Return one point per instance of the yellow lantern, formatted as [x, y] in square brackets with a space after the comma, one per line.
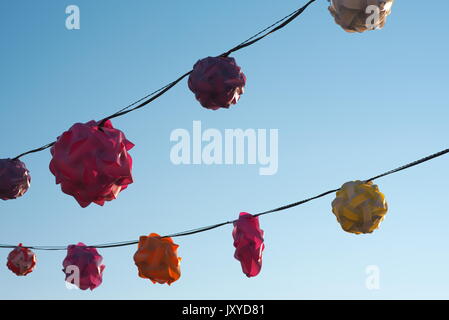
[360, 15]
[359, 207]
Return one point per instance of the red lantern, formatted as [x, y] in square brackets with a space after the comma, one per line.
[21, 261]
[82, 266]
[15, 179]
[217, 82]
[92, 163]
[248, 243]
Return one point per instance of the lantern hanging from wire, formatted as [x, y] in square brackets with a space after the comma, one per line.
[83, 266]
[360, 15]
[248, 243]
[157, 259]
[21, 261]
[15, 179]
[217, 82]
[359, 207]
[92, 162]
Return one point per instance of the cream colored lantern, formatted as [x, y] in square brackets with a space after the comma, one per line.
[360, 15]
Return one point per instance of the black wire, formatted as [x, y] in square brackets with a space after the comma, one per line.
[102, 123]
[141, 99]
[50, 248]
[214, 226]
[247, 43]
[198, 230]
[267, 28]
[412, 164]
[35, 150]
[288, 206]
[159, 92]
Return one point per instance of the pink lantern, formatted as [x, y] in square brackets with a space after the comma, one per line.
[21, 261]
[248, 243]
[82, 266]
[217, 82]
[92, 163]
[15, 179]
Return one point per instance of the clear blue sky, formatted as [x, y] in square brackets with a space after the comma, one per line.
[347, 106]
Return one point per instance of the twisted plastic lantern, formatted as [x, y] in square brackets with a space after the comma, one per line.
[92, 164]
[15, 179]
[157, 259]
[352, 15]
[82, 266]
[359, 207]
[21, 261]
[248, 243]
[217, 82]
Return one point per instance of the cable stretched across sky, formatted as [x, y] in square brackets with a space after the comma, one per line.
[281, 23]
[215, 226]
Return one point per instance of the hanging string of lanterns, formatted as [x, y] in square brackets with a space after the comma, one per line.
[359, 207]
[156, 257]
[91, 162]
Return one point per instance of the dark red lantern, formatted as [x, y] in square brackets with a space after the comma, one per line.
[21, 261]
[217, 82]
[15, 179]
[92, 163]
[82, 266]
[248, 243]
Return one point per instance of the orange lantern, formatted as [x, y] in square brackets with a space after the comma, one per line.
[157, 259]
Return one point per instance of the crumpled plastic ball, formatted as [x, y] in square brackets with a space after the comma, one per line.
[21, 261]
[352, 17]
[359, 207]
[248, 243]
[92, 164]
[157, 259]
[217, 82]
[15, 179]
[88, 262]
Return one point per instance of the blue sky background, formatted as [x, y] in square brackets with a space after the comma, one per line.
[347, 106]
